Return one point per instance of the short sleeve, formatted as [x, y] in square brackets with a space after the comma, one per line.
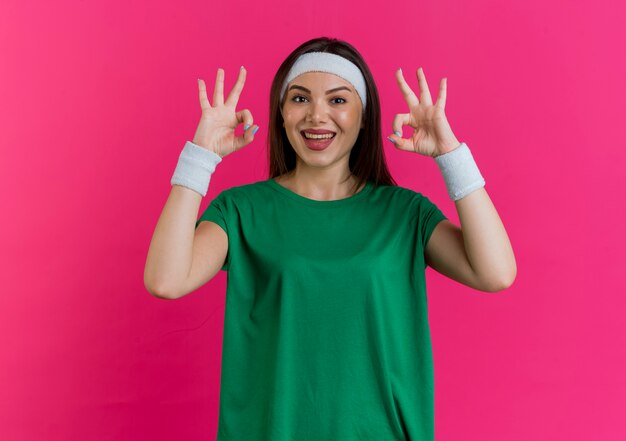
[429, 216]
[217, 212]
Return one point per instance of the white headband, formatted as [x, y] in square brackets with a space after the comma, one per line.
[330, 63]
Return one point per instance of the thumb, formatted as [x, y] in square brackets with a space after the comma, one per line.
[401, 143]
[400, 120]
[247, 137]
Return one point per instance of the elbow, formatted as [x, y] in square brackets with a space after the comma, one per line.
[502, 283]
[159, 292]
[156, 286]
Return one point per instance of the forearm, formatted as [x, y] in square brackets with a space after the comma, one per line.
[486, 243]
[171, 249]
[485, 239]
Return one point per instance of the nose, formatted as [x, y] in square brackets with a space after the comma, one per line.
[316, 111]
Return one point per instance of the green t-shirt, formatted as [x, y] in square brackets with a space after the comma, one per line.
[326, 334]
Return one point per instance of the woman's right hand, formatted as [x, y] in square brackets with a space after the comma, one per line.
[216, 130]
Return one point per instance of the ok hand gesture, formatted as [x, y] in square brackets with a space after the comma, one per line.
[432, 135]
[216, 129]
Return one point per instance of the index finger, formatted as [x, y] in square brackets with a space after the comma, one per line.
[409, 96]
[233, 96]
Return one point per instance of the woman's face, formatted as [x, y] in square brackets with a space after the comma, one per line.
[339, 111]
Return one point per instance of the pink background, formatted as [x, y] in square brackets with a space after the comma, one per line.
[98, 100]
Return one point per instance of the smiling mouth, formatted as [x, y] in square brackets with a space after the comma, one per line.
[318, 144]
[316, 137]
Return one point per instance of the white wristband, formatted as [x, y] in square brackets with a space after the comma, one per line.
[195, 167]
[460, 172]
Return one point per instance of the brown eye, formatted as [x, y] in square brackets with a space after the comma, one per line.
[295, 99]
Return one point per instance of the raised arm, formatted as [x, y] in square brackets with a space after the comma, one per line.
[477, 254]
[180, 257]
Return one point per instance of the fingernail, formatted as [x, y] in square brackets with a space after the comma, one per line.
[254, 131]
[389, 138]
[241, 67]
[246, 127]
[398, 133]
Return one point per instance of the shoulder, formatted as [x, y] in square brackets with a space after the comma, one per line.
[243, 192]
[401, 194]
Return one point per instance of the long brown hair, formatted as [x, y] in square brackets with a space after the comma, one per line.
[367, 158]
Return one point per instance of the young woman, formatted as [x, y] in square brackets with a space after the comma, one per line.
[326, 332]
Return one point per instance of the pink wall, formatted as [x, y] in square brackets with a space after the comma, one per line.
[98, 99]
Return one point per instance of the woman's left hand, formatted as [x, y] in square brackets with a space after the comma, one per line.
[432, 135]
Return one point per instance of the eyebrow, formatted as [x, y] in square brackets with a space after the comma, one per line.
[295, 86]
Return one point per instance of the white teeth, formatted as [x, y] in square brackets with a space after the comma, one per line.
[325, 136]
